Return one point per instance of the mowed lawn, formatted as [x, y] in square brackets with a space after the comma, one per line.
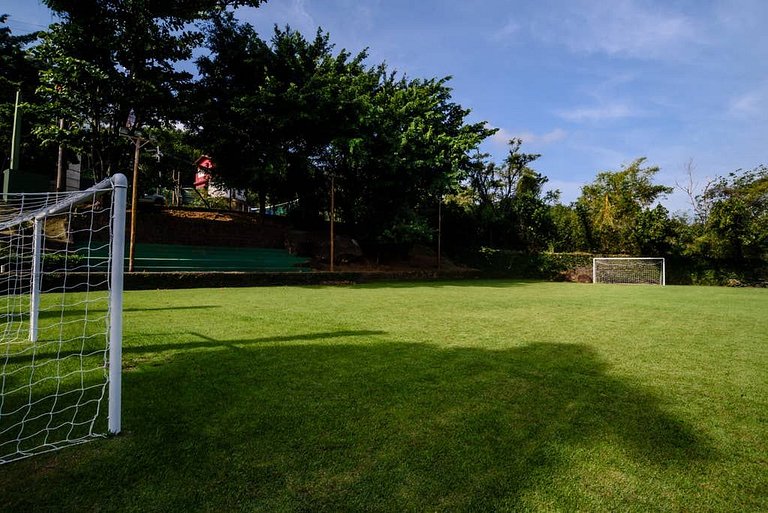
[447, 396]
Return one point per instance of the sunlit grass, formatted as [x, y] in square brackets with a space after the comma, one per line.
[465, 396]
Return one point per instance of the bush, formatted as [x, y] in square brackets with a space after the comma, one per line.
[518, 264]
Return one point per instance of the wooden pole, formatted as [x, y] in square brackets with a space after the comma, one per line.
[134, 201]
[439, 232]
[333, 208]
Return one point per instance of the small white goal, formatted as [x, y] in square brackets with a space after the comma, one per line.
[630, 270]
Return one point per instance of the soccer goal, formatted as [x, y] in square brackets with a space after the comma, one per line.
[645, 270]
[61, 281]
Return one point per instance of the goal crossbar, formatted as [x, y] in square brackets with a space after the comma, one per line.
[62, 205]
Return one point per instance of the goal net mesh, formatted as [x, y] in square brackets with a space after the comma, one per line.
[54, 320]
[649, 271]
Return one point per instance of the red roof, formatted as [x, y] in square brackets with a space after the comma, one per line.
[204, 162]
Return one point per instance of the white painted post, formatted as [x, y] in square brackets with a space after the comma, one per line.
[594, 270]
[37, 261]
[663, 272]
[117, 250]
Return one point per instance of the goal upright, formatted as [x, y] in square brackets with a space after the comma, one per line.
[630, 270]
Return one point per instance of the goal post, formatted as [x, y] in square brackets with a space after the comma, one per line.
[61, 287]
[630, 270]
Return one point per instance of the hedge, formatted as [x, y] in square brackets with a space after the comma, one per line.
[681, 270]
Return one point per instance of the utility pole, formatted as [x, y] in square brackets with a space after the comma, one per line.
[139, 143]
[439, 231]
[15, 147]
[333, 212]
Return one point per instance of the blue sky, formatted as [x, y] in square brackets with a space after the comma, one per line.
[589, 84]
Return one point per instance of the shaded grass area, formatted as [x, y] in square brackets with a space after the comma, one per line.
[465, 396]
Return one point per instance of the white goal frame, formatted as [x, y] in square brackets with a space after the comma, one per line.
[28, 215]
[620, 264]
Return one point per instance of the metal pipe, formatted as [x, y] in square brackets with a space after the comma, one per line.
[116, 303]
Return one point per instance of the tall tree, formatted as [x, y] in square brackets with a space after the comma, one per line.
[568, 229]
[285, 117]
[236, 137]
[19, 72]
[412, 146]
[509, 207]
[736, 225]
[109, 61]
[269, 111]
[613, 205]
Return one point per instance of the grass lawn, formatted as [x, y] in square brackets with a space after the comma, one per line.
[448, 396]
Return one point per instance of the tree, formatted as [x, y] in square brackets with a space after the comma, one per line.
[613, 205]
[111, 60]
[168, 156]
[509, 206]
[234, 135]
[568, 229]
[736, 227]
[654, 232]
[272, 113]
[19, 72]
[695, 191]
[411, 146]
[285, 117]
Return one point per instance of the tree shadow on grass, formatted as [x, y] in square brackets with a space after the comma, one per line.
[78, 311]
[202, 342]
[377, 427]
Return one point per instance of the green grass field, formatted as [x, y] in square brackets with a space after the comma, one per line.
[448, 396]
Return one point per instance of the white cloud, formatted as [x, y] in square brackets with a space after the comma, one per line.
[569, 190]
[506, 32]
[750, 104]
[600, 113]
[292, 12]
[503, 136]
[558, 134]
[745, 104]
[604, 158]
[625, 28]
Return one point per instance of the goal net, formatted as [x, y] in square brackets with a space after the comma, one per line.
[61, 278]
[646, 270]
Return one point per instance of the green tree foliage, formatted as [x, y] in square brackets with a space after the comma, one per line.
[270, 113]
[233, 136]
[617, 215]
[167, 155]
[568, 229]
[285, 117]
[410, 148]
[735, 226]
[111, 60]
[507, 201]
[19, 72]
